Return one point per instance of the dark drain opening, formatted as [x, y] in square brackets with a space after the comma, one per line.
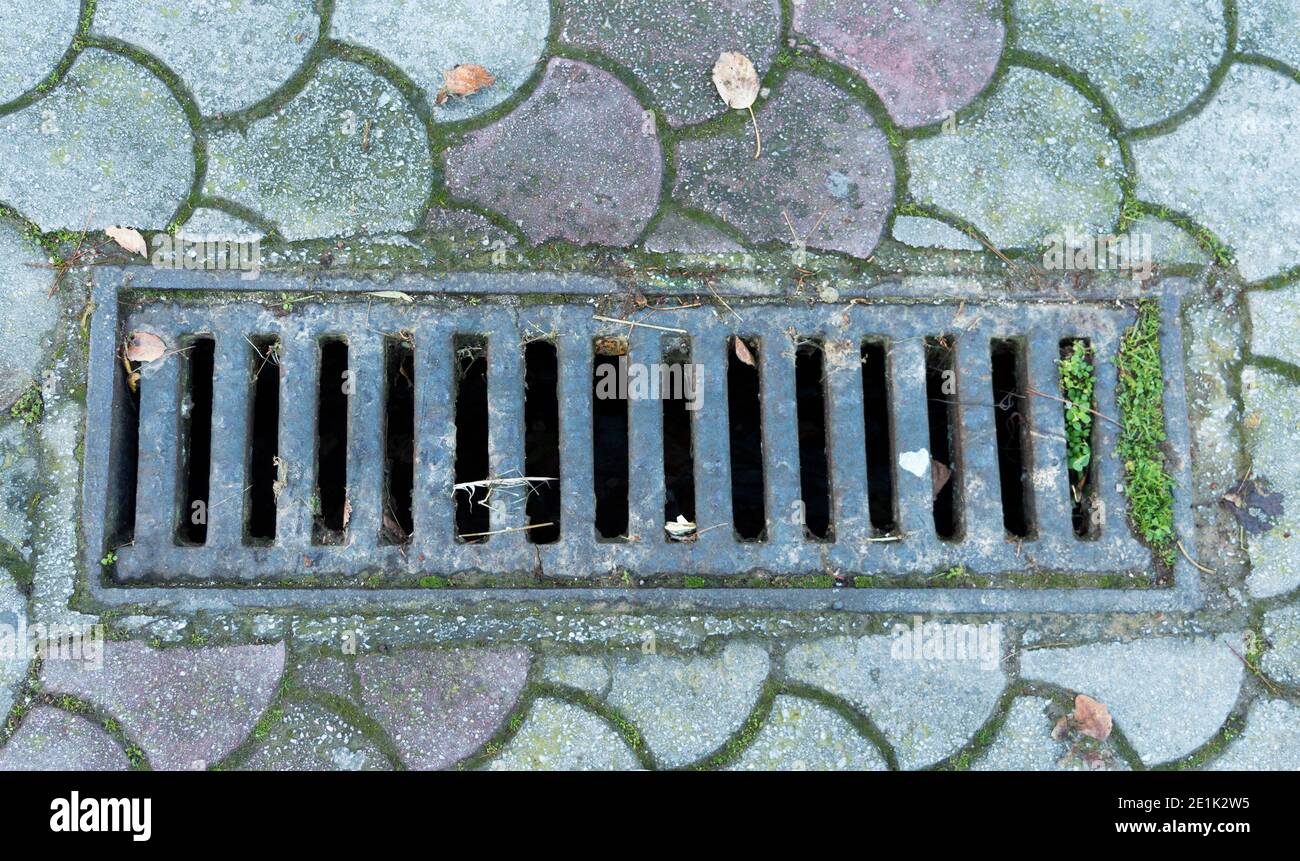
[472, 513]
[399, 438]
[542, 440]
[880, 436]
[264, 442]
[744, 411]
[609, 441]
[196, 440]
[814, 464]
[1078, 375]
[126, 463]
[679, 457]
[1012, 419]
[941, 404]
[332, 442]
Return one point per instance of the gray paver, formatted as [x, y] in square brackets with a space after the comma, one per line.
[1275, 316]
[346, 155]
[676, 233]
[33, 36]
[109, 145]
[1066, 166]
[687, 707]
[1168, 695]
[229, 55]
[439, 707]
[310, 738]
[1271, 428]
[186, 707]
[1282, 633]
[27, 313]
[558, 736]
[801, 735]
[51, 739]
[590, 673]
[13, 661]
[1271, 741]
[1025, 743]
[927, 709]
[18, 476]
[932, 233]
[1270, 28]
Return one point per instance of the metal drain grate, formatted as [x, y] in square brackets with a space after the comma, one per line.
[160, 558]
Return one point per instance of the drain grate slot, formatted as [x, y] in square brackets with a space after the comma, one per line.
[196, 439]
[879, 430]
[542, 441]
[814, 465]
[333, 508]
[1011, 419]
[1076, 353]
[609, 457]
[399, 438]
[942, 405]
[744, 413]
[471, 418]
[264, 448]
[680, 402]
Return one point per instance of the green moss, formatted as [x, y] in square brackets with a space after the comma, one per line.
[434, 582]
[1148, 485]
[29, 408]
[695, 583]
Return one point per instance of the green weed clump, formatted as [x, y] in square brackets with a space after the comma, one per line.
[1077, 380]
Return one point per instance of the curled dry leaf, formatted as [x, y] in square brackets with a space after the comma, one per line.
[465, 79]
[391, 294]
[680, 529]
[129, 238]
[144, 347]
[1092, 717]
[743, 353]
[737, 82]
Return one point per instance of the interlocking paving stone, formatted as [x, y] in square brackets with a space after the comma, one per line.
[33, 36]
[1271, 28]
[675, 233]
[825, 166]
[13, 665]
[1036, 160]
[311, 738]
[589, 673]
[55, 538]
[347, 155]
[439, 707]
[1282, 632]
[331, 675]
[51, 739]
[1274, 316]
[1271, 741]
[671, 46]
[18, 477]
[801, 735]
[1271, 428]
[426, 38]
[1025, 744]
[927, 709]
[229, 55]
[1148, 59]
[572, 162]
[1213, 359]
[1224, 168]
[187, 707]
[1167, 695]
[109, 145]
[932, 233]
[687, 707]
[208, 223]
[922, 58]
[1169, 242]
[558, 736]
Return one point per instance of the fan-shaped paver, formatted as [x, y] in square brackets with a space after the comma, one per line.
[1282, 633]
[1271, 28]
[1225, 169]
[1036, 160]
[932, 233]
[439, 707]
[19, 477]
[1168, 695]
[573, 162]
[13, 664]
[558, 736]
[51, 739]
[33, 36]
[1148, 59]
[1271, 426]
[686, 707]
[229, 55]
[825, 176]
[671, 46]
[186, 707]
[1271, 741]
[801, 735]
[676, 233]
[924, 59]
[1025, 743]
[589, 673]
[927, 709]
[426, 38]
[311, 738]
[109, 145]
[27, 313]
[1274, 316]
[347, 155]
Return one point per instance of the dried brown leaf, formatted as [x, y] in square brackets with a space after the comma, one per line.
[743, 353]
[144, 347]
[1092, 717]
[466, 79]
[129, 238]
[939, 475]
[736, 79]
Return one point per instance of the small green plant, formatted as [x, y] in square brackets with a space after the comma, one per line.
[434, 582]
[1148, 485]
[1077, 381]
[695, 583]
[109, 559]
[953, 574]
[29, 408]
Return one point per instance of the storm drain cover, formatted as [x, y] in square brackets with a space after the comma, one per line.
[497, 437]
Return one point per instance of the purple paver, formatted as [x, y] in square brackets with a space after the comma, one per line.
[921, 57]
[187, 708]
[825, 175]
[578, 161]
[439, 707]
[51, 739]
